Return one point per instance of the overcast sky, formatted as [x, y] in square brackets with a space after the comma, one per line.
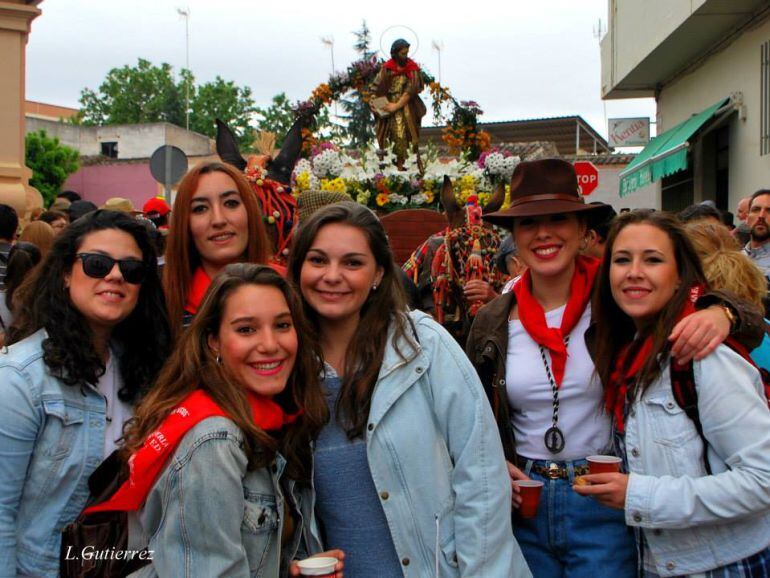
[518, 58]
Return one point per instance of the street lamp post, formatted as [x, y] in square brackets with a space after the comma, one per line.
[186, 15]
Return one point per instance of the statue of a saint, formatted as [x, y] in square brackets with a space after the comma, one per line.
[397, 122]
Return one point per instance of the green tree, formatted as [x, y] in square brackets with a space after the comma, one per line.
[135, 94]
[51, 163]
[358, 115]
[149, 93]
[224, 100]
[276, 118]
[279, 116]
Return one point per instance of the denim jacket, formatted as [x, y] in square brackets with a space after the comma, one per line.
[694, 522]
[51, 440]
[437, 462]
[208, 516]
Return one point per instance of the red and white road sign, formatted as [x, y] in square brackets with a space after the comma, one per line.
[588, 177]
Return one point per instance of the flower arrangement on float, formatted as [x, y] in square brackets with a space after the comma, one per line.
[371, 178]
[461, 135]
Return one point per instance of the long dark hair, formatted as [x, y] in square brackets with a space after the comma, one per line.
[142, 340]
[21, 260]
[193, 366]
[614, 328]
[388, 304]
[182, 258]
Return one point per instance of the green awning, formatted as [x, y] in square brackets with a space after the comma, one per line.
[666, 153]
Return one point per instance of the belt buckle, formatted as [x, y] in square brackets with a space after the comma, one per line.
[554, 471]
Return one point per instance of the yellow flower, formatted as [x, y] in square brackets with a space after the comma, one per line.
[382, 199]
[484, 198]
[428, 196]
[465, 193]
[334, 185]
[466, 182]
[303, 181]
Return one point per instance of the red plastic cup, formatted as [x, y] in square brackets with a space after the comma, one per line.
[529, 490]
[603, 464]
[318, 567]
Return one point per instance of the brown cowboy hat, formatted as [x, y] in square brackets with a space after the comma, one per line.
[543, 187]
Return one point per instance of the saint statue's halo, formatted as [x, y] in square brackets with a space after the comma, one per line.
[393, 33]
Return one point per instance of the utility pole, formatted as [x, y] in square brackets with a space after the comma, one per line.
[438, 46]
[186, 15]
[328, 41]
[599, 31]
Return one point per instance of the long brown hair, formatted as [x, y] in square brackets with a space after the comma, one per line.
[182, 258]
[40, 234]
[367, 347]
[193, 366]
[614, 328]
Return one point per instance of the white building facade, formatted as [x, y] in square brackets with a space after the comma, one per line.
[707, 64]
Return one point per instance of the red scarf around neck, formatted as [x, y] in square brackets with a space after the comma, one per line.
[148, 462]
[532, 315]
[200, 283]
[625, 371]
[393, 67]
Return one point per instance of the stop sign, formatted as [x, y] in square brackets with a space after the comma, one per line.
[588, 177]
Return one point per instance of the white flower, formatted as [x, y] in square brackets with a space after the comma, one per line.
[509, 165]
[327, 164]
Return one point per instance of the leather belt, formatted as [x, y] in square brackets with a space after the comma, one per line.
[552, 471]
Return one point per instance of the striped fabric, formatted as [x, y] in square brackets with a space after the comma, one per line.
[756, 566]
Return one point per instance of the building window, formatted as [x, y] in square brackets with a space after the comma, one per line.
[110, 149]
[764, 122]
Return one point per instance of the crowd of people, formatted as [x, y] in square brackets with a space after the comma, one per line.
[172, 398]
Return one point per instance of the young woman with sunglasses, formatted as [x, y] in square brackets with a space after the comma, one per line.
[409, 472]
[699, 500]
[529, 347]
[216, 221]
[89, 337]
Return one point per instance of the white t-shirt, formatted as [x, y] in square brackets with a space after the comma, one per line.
[118, 412]
[586, 427]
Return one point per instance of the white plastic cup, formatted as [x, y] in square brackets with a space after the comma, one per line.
[320, 566]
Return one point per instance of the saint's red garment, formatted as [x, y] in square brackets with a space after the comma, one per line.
[396, 70]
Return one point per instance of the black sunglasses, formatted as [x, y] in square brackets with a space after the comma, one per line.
[99, 266]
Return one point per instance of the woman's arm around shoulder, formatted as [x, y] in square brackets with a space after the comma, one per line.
[736, 423]
[203, 503]
[482, 514]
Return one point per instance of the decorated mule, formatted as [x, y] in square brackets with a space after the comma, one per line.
[444, 264]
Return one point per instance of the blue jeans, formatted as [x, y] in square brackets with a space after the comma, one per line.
[574, 536]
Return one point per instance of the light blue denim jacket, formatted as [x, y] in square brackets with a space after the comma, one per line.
[692, 521]
[207, 516]
[437, 462]
[51, 440]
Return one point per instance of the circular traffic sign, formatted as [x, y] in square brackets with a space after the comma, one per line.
[168, 164]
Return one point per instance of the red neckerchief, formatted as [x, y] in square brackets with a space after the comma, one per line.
[409, 67]
[200, 283]
[623, 374]
[148, 462]
[532, 315]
